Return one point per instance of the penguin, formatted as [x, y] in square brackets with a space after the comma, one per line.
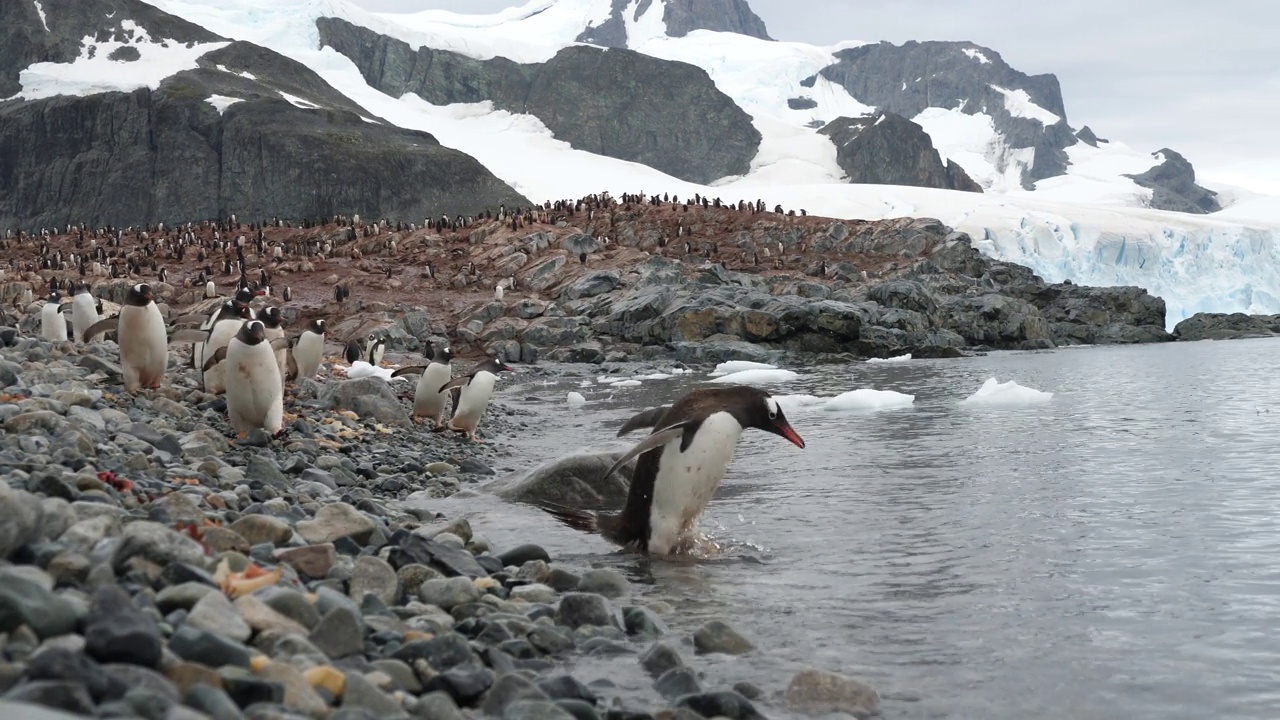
[308, 350]
[226, 324]
[140, 332]
[353, 351]
[242, 298]
[497, 292]
[210, 290]
[428, 399]
[270, 318]
[375, 348]
[84, 313]
[255, 392]
[53, 326]
[477, 390]
[680, 465]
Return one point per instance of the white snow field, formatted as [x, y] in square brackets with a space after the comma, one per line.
[1010, 394]
[1089, 226]
[868, 399]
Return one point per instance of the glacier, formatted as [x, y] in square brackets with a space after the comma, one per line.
[1089, 226]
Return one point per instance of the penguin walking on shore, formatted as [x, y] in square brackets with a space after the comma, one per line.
[231, 316]
[140, 333]
[84, 313]
[255, 392]
[242, 298]
[308, 351]
[429, 396]
[681, 464]
[477, 390]
[271, 320]
[53, 325]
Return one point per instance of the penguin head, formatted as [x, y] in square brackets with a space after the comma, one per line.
[252, 333]
[245, 296]
[317, 326]
[55, 297]
[82, 288]
[495, 365]
[140, 295]
[754, 408]
[270, 317]
[443, 354]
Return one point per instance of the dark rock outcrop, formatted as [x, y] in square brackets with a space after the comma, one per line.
[1173, 186]
[618, 103]
[1227, 326]
[906, 79]
[681, 18]
[888, 149]
[1087, 136]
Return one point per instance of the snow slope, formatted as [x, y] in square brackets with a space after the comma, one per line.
[1088, 226]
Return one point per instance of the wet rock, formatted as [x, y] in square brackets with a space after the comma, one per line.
[578, 609]
[116, 631]
[367, 397]
[437, 706]
[314, 561]
[450, 593]
[360, 693]
[257, 529]
[718, 637]
[215, 613]
[535, 593]
[604, 581]
[374, 576]
[447, 559]
[22, 515]
[522, 554]
[659, 658]
[748, 690]
[66, 695]
[338, 633]
[535, 710]
[677, 682]
[25, 602]
[336, 521]
[201, 646]
[817, 692]
[464, 683]
[574, 481]
[57, 663]
[643, 622]
[723, 703]
[566, 687]
[443, 652]
[156, 543]
[507, 689]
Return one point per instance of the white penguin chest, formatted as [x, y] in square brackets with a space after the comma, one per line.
[433, 378]
[475, 394]
[686, 481]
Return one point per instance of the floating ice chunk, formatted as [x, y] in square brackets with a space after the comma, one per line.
[585, 383]
[733, 366]
[794, 402]
[867, 399]
[997, 394]
[607, 380]
[361, 369]
[900, 358]
[576, 400]
[680, 371]
[627, 383]
[654, 376]
[758, 375]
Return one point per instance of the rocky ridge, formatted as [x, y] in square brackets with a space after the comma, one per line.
[888, 149]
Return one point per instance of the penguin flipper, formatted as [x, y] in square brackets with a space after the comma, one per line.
[582, 520]
[656, 440]
[455, 383]
[290, 366]
[218, 356]
[189, 336]
[409, 370]
[280, 343]
[647, 419]
[100, 327]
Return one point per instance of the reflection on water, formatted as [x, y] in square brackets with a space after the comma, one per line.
[1112, 554]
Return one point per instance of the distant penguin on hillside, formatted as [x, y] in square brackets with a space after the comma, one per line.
[428, 398]
[681, 464]
[477, 390]
[53, 325]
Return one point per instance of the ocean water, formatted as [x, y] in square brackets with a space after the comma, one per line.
[1113, 553]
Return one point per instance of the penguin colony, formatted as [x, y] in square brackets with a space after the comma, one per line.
[247, 355]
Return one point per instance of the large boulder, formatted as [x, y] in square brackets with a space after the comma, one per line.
[1226, 326]
[368, 397]
[575, 481]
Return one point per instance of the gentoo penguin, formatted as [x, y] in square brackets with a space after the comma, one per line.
[140, 332]
[270, 318]
[352, 351]
[84, 313]
[428, 399]
[242, 298]
[375, 348]
[477, 389]
[225, 326]
[309, 350]
[497, 292]
[53, 325]
[255, 392]
[210, 290]
[681, 463]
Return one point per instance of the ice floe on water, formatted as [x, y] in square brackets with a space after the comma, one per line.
[576, 399]
[900, 358]
[627, 383]
[654, 376]
[735, 366]
[796, 402]
[758, 375]
[994, 393]
[867, 399]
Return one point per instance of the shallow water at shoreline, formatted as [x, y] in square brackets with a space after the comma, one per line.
[1109, 554]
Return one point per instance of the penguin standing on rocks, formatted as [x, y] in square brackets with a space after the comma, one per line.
[477, 390]
[230, 317]
[255, 392]
[308, 350]
[428, 398]
[84, 313]
[680, 466]
[140, 332]
[375, 348]
[270, 318]
[53, 326]
[242, 298]
[352, 351]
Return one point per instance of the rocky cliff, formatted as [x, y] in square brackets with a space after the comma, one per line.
[906, 79]
[171, 154]
[681, 17]
[888, 149]
[1173, 185]
[1227, 326]
[622, 104]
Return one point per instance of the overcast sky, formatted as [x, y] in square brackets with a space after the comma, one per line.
[1202, 78]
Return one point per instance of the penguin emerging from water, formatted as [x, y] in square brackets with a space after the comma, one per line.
[308, 350]
[140, 332]
[255, 392]
[85, 311]
[429, 397]
[53, 325]
[477, 390]
[681, 463]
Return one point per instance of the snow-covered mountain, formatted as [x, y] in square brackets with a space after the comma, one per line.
[694, 97]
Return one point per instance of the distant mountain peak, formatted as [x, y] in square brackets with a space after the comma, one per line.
[679, 18]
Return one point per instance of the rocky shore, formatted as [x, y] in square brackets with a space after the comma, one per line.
[1227, 326]
[151, 568]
